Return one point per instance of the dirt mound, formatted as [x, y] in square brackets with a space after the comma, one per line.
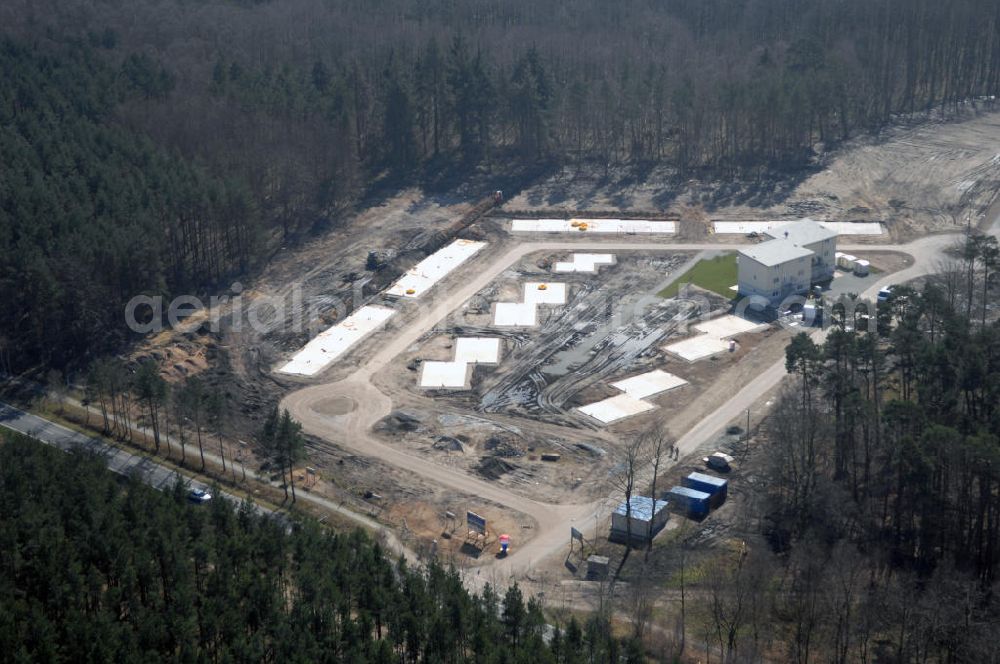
[179, 355]
[448, 444]
[493, 468]
[399, 420]
[592, 450]
[503, 447]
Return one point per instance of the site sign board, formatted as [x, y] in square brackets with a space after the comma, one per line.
[476, 522]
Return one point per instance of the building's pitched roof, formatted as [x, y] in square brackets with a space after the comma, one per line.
[774, 252]
[801, 232]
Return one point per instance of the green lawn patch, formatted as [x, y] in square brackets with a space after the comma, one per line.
[715, 274]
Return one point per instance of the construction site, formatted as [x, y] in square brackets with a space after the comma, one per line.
[496, 355]
[580, 359]
[509, 376]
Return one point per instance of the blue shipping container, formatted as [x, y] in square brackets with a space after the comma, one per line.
[692, 502]
[714, 486]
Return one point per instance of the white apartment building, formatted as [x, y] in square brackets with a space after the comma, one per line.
[801, 254]
[810, 235]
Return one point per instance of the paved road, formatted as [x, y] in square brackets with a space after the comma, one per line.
[352, 430]
[118, 460]
[162, 477]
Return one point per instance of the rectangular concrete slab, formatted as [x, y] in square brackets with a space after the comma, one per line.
[444, 374]
[727, 326]
[330, 344]
[550, 294]
[648, 384]
[514, 314]
[698, 348]
[477, 350]
[616, 408]
[421, 277]
[840, 227]
[852, 228]
[584, 262]
[621, 226]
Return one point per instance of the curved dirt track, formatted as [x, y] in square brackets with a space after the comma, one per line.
[353, 430]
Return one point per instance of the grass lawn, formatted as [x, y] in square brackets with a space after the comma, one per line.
[715, 274]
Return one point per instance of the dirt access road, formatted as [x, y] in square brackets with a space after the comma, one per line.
[365, 404]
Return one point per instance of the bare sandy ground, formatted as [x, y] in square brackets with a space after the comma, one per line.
[931, 176]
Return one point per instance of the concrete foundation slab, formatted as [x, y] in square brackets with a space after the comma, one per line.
[515, 314]
[649, 384]
[584, 263]
[621, 226]
[724, 327]
[477, 350]
[616, 408]
[330, 344]
[713, 338]
[854, 228]
[444, 374]
[536, 292]
[698, 348]
[421, 277]
[841, 227]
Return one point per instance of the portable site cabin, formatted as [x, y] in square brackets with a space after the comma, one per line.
[716, 487]
[597, 567]
[862, 267]
[690, 502]
[640, 517]
[846, 262]
[812, 314]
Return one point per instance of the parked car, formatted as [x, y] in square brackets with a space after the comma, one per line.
[884, 294]
[719, 461]
[199, 496]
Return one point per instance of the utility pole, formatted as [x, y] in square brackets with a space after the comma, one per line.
[748, 431]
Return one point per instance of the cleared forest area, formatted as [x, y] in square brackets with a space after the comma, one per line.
[924, 175]
[236, 128]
